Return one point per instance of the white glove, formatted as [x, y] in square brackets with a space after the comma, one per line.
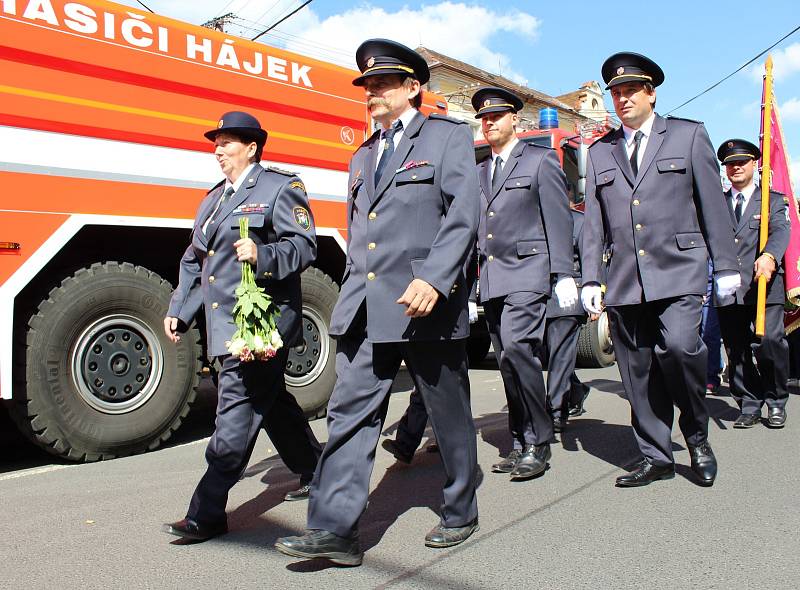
[727, 282]
[473, 312]
[566, 292]
[592, 298]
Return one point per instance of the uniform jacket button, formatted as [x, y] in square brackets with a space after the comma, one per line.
[371, 276]
[214, 305]
[491, 258]
[641, 252]
[636, 202]
[371, 245]
[491, 213]
[211, 253]
[373, 215]
[489, 236]
[211, 279]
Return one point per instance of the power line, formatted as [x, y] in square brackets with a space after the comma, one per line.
[268, 29]
[145, 5]
[736, 71]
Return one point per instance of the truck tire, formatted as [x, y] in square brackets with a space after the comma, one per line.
[477, 349]
[101, 380]
[595, 349]
[311, 366]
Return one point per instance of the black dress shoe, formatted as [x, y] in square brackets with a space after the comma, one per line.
[776, 417]
[507, 465]
[300, 493]
[644, 474]
[191, 529]
[747, 421]
[395, 450]
[316, 543]
[442, 536]
[704, 463]
[532, 462]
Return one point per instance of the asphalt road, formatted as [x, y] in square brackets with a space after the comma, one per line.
[98, 525]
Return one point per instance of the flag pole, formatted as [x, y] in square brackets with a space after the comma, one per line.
[761, 301]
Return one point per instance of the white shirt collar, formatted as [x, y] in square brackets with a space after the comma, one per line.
[506, 153]
[245, 173]
[746, 191]
[405, 118]
[646, 128]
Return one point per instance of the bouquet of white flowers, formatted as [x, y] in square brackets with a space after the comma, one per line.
[254, 314]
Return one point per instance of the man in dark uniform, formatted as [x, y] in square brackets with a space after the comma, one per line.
[562, 330]
[752, 386]
[412, 216]
[281, 243]
[524, 253]
[654, 203]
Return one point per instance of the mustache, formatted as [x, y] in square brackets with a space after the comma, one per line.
[377, 101]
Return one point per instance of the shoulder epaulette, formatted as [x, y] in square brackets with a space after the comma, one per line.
[281, 171]
[447, 118]
[683, 119]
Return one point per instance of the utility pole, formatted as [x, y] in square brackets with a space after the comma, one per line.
[218, 23]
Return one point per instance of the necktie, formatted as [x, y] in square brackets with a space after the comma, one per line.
[637, 140]
[497, 172]
[737, 210]
[388, 149]
[225, 196]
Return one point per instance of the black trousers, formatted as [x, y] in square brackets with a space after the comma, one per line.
[562, 348]
[251, 395]
[356, 413]
[662, 361]
[752, 385]
[516, 327]
[411, 427]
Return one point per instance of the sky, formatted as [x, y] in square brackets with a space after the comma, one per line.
[554, 47]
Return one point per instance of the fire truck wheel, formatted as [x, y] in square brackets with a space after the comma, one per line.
[101, 380]
[595, 349]
[311, 366]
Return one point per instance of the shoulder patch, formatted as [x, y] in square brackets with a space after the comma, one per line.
[298, 184]
[440, 117]
[301, 217]
[281, 171]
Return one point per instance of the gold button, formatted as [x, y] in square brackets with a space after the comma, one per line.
[641, 252]
[214, 305]
[491, 258]
[736, 240]
[371, 245]
[227, 343]
[636, 201]
[491, 213]
[267, 274]
[211, 279]
[517, 184]
[489, 236]
[533, 249]
[413, 177]
[211, 253]
[692, 243]
[638, 226]
[371, 276]
[373, 215]
[672, 165]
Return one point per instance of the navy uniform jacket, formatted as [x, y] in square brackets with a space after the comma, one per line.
[659, 228]
[280, 224]
[554, 310]
[746, 240]
[419, 222]
[525, 233]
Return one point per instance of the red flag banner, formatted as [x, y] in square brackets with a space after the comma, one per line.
[781, 181]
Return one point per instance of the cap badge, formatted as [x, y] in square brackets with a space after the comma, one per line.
[620, 71]
[370, 62]
[220, 124]
[730, 144]
[487, 102]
